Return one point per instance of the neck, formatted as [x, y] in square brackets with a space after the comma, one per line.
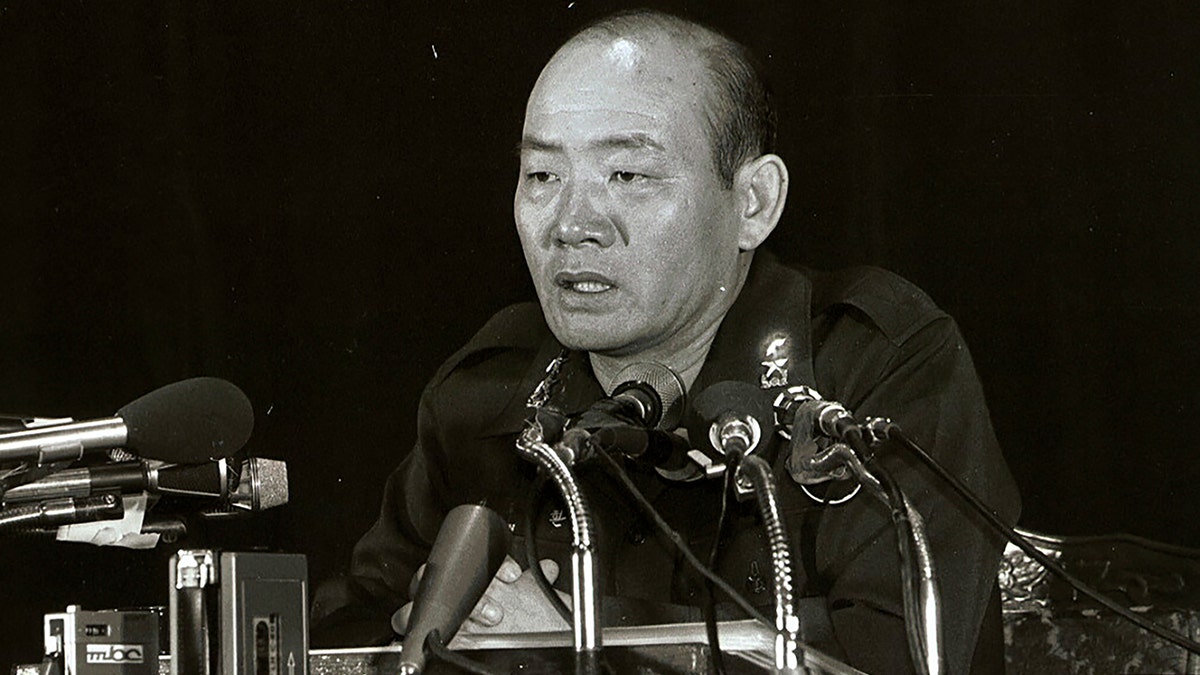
[686, 364]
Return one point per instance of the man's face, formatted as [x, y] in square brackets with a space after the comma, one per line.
[628, 233]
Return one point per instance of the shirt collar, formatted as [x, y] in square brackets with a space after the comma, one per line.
[765, 337]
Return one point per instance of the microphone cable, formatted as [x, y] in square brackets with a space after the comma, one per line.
[886, 429]
[728, 489]
[665, 528]
[536, 500]
[910, 586]
[437, 647]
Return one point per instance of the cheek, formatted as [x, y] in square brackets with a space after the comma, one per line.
[529, 225]
[533, 214]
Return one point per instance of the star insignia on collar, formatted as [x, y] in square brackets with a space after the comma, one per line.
[776, 374]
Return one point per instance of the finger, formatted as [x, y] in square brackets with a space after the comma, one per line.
[400, 619]
[509, 570]
[487, 613]
[549, 569]
[415, 582]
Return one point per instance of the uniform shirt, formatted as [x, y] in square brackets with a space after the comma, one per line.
[863, 336]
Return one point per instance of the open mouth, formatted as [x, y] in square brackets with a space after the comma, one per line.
[584, 282]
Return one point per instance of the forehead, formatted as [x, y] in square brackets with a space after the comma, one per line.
[600, 85]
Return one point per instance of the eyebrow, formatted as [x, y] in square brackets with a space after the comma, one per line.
[632, 141]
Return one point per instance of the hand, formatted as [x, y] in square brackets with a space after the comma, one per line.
[512, 603]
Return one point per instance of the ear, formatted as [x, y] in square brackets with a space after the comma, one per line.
[762, 188]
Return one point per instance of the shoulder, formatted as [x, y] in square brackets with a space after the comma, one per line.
[895, 306]
[482, 379]
[515, 328]
[870, 324]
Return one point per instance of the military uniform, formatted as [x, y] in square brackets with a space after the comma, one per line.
[863, 337]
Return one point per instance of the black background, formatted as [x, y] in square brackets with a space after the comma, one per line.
[313, 200]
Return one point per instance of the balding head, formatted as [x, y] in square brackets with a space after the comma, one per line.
[641, 196]
[737, 107]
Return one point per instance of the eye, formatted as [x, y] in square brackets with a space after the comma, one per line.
[541, 176]
[627, 176]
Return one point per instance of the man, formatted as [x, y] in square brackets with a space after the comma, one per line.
[647, 184]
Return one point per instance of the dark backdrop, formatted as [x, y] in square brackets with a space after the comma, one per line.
[312, 200]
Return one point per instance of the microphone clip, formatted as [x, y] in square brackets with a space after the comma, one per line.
[831, 466]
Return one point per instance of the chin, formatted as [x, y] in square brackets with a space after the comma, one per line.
[588, 343]
[589, 337]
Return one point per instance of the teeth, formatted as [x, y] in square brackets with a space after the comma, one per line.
[590, 286]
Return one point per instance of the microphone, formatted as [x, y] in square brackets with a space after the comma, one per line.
[466, 555]
[661, 449]
[253, 485]
[185, 422]
[802, 408]
[735, 409]
[650, 398]
[263, 484]
[816, 427]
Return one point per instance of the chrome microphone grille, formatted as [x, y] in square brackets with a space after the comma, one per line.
[665, 382]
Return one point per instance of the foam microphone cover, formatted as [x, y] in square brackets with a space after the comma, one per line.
[466, 555]
[189, 422]
[740, 398]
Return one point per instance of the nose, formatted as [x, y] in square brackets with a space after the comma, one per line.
[580, 222]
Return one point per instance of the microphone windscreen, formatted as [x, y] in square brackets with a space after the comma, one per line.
[189, 422]
[741, 398]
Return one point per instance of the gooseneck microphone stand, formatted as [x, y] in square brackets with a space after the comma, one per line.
[532, 446]
[802, 408]
[737, 436]
[787, 623]
[922, 606]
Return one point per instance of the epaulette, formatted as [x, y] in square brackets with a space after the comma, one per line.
[897, 307]
[519, 326]
[485, 384]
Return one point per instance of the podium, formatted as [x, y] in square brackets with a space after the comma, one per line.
[748, 647]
